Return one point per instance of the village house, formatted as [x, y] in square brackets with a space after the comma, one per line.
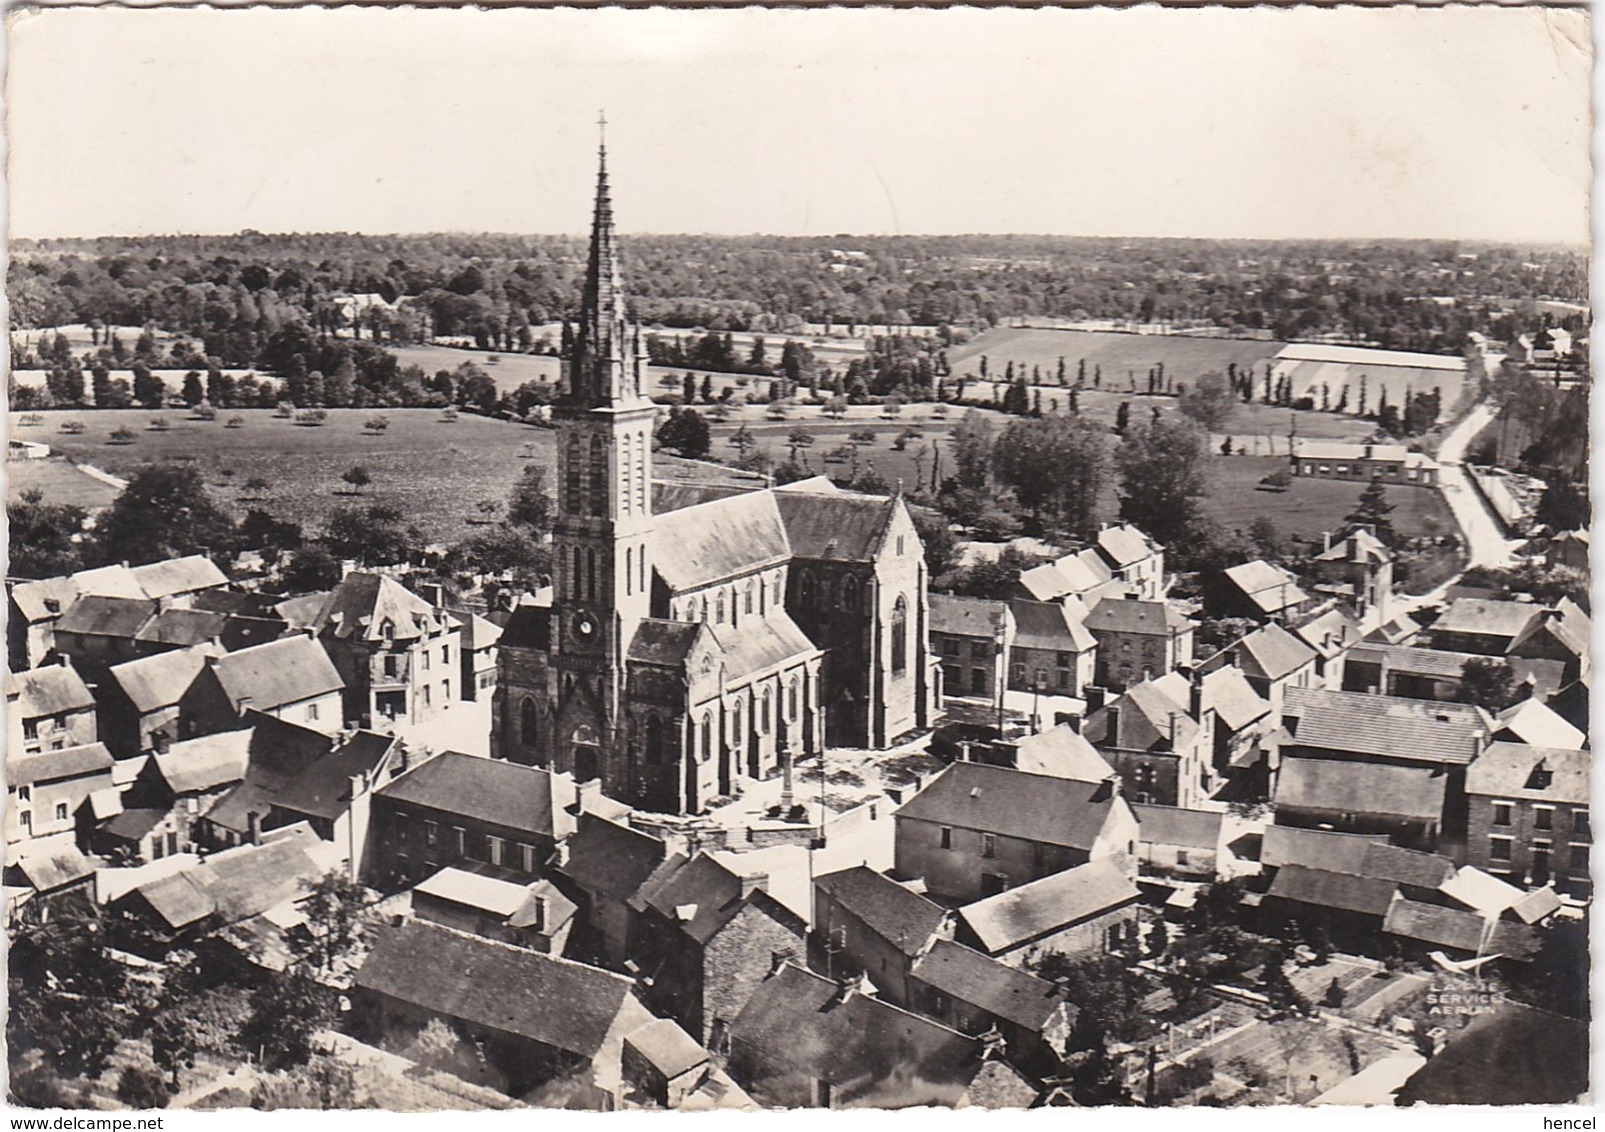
[1242, 719]
[1135, 559]
[705, 937]
[47, 709]
[1060, 752]
[97, 632]
[47, 793]
[1528, 816]
[1482, 626]
[455, 808]
[1272, 660]
[1082, 578]
[1562, 635]
[971, 638]
[1261, 591]
[1340, 460]
[1053, 652]
[805, 1041]
[188, 777]
[976, 829]
[1570, 550]
[1407, 803]
[289, 679]
[141, 835]
[1174, 842]
[608, 862]
[866, 923]
[1087, 910]
[1138, 640]
[398, 657]
[140, 701]
[1160, 738]
[1331, 634]
[477, 642]
[1537, 724]
[975, 994]
[1358, 571]
[485, 901]
[1349, 726]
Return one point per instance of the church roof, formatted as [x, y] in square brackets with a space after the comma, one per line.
[663, 642]
[762, 643]
[723, 538]
[844, 527]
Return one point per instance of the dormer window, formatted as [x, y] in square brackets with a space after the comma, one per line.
[387, 629]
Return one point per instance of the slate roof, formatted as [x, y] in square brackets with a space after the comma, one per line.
[280, 672]
[51, 766]
[323, 790]
[1131, 615]
[1433, 663]
[530, 627]
[45, 599]
[1507, 770]
[131, 825]
[525, 798]
[362, 603]
[1330, 633]
[477, 633]
[1034, 807]
[701, 896]
[668, 497]
[194, 766]
[845, 527]
[1481, 892]
[1515, 1055]
[1062, 753]
[54, 868]
[302, 612]
[720, 539]
[871, 1053]
[1459, 930]
[1272, 653]
[178, 576]
[1369, 896]
[1486, 618]
[183, 627]
[1342, 450]
[279, 751]
[1124, 544]
[1364, 788]
[53, 690]
[903, 918]
[1172, 825]
[474, 890]
[1149, 716]
[1409, 867]
[1385, 726]
[1271, 588]
[1397, 630]
[1321, 849]
[1538, 724]
[242, 882]
[159, 681]
[1012, 996]
[762, 643]
[1015, 917]
[1228, 693]
[968, 616]
[610, 858]
[1048, 625]
[97, 616]
[1045, 582]
[564, 1005]
[1536, 905]
[667, 1048]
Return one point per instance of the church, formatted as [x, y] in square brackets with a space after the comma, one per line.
[700, 631]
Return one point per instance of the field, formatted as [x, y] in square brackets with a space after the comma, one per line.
[1311, 506]
[59, 481]
[1125, 358]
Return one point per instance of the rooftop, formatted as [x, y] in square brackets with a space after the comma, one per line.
[1172, 825]
[1132, 615]
[53, 690]
[1272, 653]
[1013, 996]
[525, 798]
[1486, 618]
[1033, 807]
[1050, 626]
[968, 616]
[1005, 921]
[159, 681]
[1387, 726]
[1415, 793]
[1536, 774]
[376, 607]
[895, 913]
[280, 672]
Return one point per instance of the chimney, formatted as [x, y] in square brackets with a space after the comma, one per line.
[1326, 540]
[584, 793]
[540, 913]
[848, 986]
[1094, 697]
[243, 704]
[778, 959]
[757, 882]
[1111, 734]
[1195, 696]
[162, 742]
[253, 828]
[1369, 448]
[993, 1047]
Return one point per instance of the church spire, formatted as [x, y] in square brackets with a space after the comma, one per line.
[603, 369]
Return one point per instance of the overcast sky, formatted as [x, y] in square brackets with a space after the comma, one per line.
[1468, 123]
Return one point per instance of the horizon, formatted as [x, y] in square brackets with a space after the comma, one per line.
[1356, 125]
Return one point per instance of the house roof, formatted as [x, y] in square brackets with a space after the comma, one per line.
[1321, 849]
[902, 917]
[1009, 995]
[1407, 866]
[50, 766]
[362, 605]
[1459, 930]
[1397, 630]
[667, 1048]
[53, 690]
[1514, 1055]
[1341, 450]
[278, 752]
[1132, 615]
[495, 986]
[194, 766]
[477, 633]
[159, 681]
[1536, 905]
[277, 673]
[1033, 807]
[43, 600]
[1015, 917]
[871, 1053]
[97, 616]
[1172, 825]
[489, 894]
[241, 882]
[1386, 726]
[968, 616]
[1360, 545]
[1368, 896]
[49, 869]
[179, 576]
[1538, 724]
[701, 896]
[1481, 892]
[1330, 633]
[1538, 774]
[720, 539]
[1271, 588]
[526, 798]
[1272, 653]
[1486, 618]
[323, 790]
[1364, 788]
[1433, 663]
[844, 527]
[131, 825]
[183, 627]
[1049, 625]
[1061, 752]
[302, 612]
[530, 627]
[1045, 582]
[1228, 693]
[610, 858]
[1148, 716]
[1124, 544]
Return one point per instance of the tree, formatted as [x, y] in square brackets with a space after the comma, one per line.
[194, 392]
[164, 512]
[322, 1083]
[1564, 506]
[743, 441]
[286, 1011]
[335, 910]
[530, 504]
[1058, 467]
[1209, 401]
[375, 536]
[800, 439]
[44, 536]
[68, 999]
[149, 390]
[1262, 532]
[937, 538]
[1164, 479]
[141, 1088]
[312, 568]
[686, 431]
[504, 549]
[1373, 510]
[357, 476]
[992, 578]
[1489, 683]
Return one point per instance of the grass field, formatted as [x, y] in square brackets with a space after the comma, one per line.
[1124, 358]
[1311, 506]
[59, 481]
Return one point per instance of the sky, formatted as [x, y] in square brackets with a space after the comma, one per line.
[1463, 123]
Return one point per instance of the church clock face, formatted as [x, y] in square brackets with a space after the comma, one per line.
[584, 627]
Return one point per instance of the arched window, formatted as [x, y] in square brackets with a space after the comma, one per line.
[642, 446]
[718, 605]
[746, 600]
[579, 572]
[571, 477]
[764, 708]
[735, 724]
[387, 629]
[629, 567]
[625, 494]
[791, 700]
[850, 593]
[527, 722]
[707, 736]
[598, 477]
[654, 739]
[900, 635]
[805, 588]
[590, 573]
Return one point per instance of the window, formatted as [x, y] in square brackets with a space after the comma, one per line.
[423, 654]
[1017, 674]
[459, 837]
[805, 588]
[526, 858]
[746, 598]
[1064, 679]
[598, 477]
[989, 845]
[1580, 824]
[172, 843]
[707, 736]
[25, 793]
[1502, 813]
[977, 680]
[900, 635]
[156, 848]
[390, 662]
[1579, 858]
[899, 546]
[952, 678]
[61, 811]
[431, 834]
[951, 646]
[312, 711]
[850, 593]
[30, 729]
[1181, 857]
[764, 707]
[27, 824]
[947, 838]
[1543, 817]
[387, 629]
[496, 847]
[1540, 873]
[1063, 660]
[445, 654]
[1499, 848]
[980, 650]
[571, 480]
[527, 722]
[718, 617]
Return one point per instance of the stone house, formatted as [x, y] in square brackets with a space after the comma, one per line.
[1358, 571]
[140, 701]
[975, 994]
[478, 647]
[1528, 816]
[47, 709]
[188, 777]
[289, 679]
[1482, 626]
[1177, 842]
[1087, 910]
[866, 923]
[1262, 591]
[1134, 559]
[971, 638]
[977, 829]
[1272, 660]
[48, 793]
[397, 656]
[1053, 651]
[96, 632]
[497, 904]
[1331, 634]
[608, 862]
[1138, 640]
[1407, 803]
[1161, 740]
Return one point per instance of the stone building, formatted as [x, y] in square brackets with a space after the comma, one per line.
[399, 658]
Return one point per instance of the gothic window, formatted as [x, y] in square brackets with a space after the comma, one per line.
[791, 699]
[707, 736]
[571, 481]
[735, 723]
[747, 598]
[640, 566]
[577, 584]
[776, 596]
[387, 629]
[528, 723]
[641, 446]
[598, 477]
[654, 739]
[718, 616]
[625, 493]
[764, 708]
[805, 588]
[850, 593]
[590, 573]
[900, 635]
[629, 567]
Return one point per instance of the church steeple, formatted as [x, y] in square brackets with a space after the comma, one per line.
[604, 367]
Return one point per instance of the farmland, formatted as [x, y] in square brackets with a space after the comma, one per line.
[1123, 357]
[1311, 506]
